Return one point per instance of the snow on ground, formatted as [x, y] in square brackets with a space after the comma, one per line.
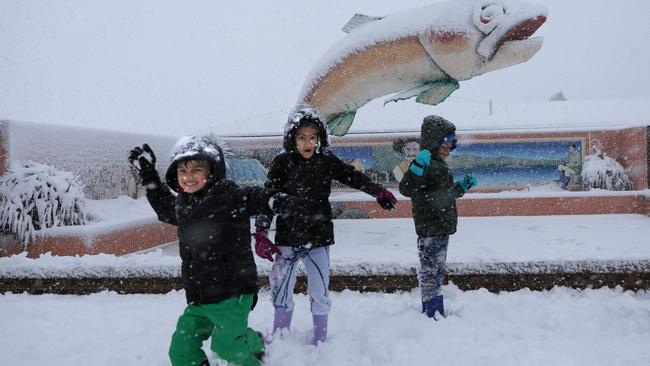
[389, 246]
[557, 327]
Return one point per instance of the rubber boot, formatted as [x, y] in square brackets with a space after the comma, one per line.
[282, 319]
[320, 329]
[433, 306]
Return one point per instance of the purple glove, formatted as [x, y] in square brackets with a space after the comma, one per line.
[386, 199]
[264, 247]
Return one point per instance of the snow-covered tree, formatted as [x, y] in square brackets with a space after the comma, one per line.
[37, 196]
[601, 171]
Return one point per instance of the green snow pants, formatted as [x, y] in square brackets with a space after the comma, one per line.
[227, 323]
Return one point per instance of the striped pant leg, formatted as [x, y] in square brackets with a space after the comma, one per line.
[432, 251]
[317, 265]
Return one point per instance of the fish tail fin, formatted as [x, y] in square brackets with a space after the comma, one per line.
[340, 124]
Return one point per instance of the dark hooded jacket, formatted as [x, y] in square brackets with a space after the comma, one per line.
[213, 225]
[310, 178]
[433, 195]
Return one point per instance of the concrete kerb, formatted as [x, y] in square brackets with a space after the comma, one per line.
[495, 277]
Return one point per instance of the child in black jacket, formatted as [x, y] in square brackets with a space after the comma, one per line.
[306, 169]
[429, 183]
[218, 271]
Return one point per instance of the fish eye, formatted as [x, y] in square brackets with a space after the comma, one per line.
[491, 11]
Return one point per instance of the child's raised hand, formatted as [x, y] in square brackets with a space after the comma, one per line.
[146, 165]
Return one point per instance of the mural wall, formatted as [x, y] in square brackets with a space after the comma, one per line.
[513, 164]
[501, 161]
[498, 164]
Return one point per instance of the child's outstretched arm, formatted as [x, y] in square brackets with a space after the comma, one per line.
[259, 200]
[346, 174]
[274, 180]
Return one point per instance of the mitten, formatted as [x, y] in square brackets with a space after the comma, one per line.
[264, 247]
[386, 199]
[422, 160]
[146, 167]
[468, 182]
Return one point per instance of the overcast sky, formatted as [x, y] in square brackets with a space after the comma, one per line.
[182, 67]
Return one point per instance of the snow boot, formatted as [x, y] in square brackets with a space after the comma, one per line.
[320, 329]
[433, 306]
[282, 319]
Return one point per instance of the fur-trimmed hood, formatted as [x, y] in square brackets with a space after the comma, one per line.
[299, 116]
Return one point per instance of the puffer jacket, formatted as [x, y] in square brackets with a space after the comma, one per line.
[213, 226]
[433, 195]
[310, 178]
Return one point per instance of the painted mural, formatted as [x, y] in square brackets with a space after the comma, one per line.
[513, 164]
[497, 164]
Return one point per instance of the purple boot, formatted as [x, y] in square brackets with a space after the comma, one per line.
[282, 319]
[434, 307]
[320, 329]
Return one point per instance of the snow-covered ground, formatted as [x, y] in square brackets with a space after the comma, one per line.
[558, 327]
[389, 246]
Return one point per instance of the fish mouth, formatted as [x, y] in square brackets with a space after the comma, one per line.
[515, 47]
[521, 31]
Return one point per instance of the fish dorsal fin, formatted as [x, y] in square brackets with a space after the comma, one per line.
[358, 20]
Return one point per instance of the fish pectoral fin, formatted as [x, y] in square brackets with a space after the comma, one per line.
[437, 92]
[339, 125]
[407, 94]
[358, 20]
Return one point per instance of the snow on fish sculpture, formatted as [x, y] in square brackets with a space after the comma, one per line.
[420, 53]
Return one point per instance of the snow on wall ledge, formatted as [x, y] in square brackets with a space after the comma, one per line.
[157, 265]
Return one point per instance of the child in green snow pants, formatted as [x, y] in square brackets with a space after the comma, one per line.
[227, 322]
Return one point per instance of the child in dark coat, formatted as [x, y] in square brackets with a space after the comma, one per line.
[306, 169]
[218, 271]
[429, 183]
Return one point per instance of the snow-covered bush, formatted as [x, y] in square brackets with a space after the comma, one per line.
[37, 196]
[601, 171]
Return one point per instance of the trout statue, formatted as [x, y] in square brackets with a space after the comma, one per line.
[421, 53]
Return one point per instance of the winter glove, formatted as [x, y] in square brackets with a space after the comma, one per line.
[422, 160]
[264, 247]
[468, 182]
[386, 199]
[296, 207]
[145, 167]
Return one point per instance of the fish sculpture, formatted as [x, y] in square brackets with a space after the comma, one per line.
[421, 53]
